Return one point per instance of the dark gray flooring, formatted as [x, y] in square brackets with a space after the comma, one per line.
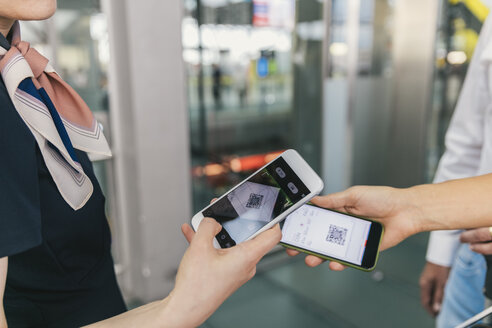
[285, 293]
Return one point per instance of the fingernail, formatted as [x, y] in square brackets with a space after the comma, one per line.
[437, 307]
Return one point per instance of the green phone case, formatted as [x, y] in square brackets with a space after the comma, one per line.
[337, 260]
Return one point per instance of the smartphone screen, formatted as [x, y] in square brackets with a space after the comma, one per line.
[336, 235]
[256, 202]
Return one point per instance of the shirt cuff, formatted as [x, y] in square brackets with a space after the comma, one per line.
[443, 246]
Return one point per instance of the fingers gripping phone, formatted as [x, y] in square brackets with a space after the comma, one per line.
[335, 236]
[262, 200]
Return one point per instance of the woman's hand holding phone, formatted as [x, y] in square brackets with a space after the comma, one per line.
[207, 276]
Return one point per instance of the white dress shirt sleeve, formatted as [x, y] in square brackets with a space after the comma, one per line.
[443, 246]
[464, 140]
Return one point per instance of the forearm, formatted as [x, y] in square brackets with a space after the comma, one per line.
[3, 278]
[167, 313]
[3, 320]
[151, 315]
[456, 204]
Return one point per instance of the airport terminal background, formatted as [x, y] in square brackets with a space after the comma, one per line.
[363, 89]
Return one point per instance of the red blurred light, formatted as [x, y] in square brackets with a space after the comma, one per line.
[238, 164]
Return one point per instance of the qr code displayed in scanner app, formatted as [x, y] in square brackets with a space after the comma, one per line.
[337, 235]
[254, 201]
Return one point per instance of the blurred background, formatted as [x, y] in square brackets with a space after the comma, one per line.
[195, 95]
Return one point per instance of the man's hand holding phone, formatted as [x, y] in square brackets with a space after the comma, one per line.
[207, 275]
[384, 204]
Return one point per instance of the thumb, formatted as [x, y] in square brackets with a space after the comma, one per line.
[263, 243]
[438, 297]
[335, 201]
[207, 230]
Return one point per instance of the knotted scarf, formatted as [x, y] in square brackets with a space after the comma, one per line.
[56, 115]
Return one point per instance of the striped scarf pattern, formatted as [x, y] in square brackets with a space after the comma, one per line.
[58, 118]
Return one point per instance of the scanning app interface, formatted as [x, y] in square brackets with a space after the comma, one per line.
[327, 233]
[256, 202]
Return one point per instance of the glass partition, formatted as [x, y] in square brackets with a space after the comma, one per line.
[358, 93]
[460, 23]
[240, 61]
[374, 92]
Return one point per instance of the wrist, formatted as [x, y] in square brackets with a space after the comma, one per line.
[433, 206]
[411, 209]
[175, 313]
[435, 265]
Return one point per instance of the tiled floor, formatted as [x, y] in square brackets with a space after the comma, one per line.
[288, 294]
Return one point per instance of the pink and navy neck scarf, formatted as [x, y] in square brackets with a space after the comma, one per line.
[56, 115]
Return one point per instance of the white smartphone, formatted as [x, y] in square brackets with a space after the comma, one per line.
[262, 200]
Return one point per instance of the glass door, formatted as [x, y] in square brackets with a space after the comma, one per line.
[460, 23]
[244, 82]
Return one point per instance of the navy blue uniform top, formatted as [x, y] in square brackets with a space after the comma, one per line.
[60, 271]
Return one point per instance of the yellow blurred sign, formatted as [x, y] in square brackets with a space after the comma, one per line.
[476, 7]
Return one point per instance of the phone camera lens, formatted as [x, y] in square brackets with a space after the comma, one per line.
[225, 241]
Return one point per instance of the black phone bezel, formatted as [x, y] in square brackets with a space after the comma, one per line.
[372, 245]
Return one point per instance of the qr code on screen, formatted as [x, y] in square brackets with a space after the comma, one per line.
[254, 201]
[336, 235]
